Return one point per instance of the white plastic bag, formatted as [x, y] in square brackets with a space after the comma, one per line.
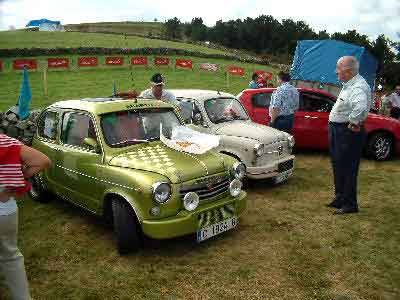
[188, 140]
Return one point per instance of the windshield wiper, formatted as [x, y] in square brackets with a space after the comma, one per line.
[128, 142]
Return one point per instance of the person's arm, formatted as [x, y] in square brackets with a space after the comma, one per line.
[5, 195]
[34, 161]
[275, 106]
[275, 113]
[359, 109]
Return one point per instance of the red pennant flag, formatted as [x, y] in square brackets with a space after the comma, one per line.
[234, 70]
[209, 67]
[184, 63]
[161, 61]
[114, 61]
[57, 62]
[267, 75]
[88, 61]
[30, 64]
[139, 60]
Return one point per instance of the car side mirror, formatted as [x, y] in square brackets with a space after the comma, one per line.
[91, 144]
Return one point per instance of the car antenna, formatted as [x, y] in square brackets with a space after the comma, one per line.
[131, 73]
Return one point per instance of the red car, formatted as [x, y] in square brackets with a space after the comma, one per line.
[311, 121]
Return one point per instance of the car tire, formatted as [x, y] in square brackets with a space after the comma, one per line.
[380, 146]
[127, 230]
[38, 191]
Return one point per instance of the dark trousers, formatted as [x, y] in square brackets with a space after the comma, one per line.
[284, 123]
[395, 112]
[345, 147]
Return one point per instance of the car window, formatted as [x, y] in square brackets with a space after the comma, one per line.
[76, 127]
[190, 112]
[225, 109]
[261, 100]
[47, 125]
[315, 103]
[126, 128]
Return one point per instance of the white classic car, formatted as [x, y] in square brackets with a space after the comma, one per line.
[266, 152]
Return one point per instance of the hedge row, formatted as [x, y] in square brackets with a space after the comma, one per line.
[28, 52]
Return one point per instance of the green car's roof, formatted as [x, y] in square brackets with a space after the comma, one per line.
[100, 106]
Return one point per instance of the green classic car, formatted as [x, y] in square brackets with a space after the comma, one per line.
[108, 158]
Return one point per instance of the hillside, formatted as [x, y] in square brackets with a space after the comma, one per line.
[133, 28]
[42, 39]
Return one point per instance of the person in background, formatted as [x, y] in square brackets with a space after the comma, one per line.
[17, 163]
[284, 103]
[158, 92]
[347, 133]
[253, 84]
[394, 103]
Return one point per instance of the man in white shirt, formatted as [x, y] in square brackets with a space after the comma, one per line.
[347, 134]
[394, 103]
[158, 92]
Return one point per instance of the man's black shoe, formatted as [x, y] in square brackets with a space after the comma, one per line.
[346, 210]
[334, 204]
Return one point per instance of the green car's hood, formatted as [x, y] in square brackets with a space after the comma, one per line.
[177, 166]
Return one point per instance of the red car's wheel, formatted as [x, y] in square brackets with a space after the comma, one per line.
[380, 146]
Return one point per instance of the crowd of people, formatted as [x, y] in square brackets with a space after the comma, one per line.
[346, 138]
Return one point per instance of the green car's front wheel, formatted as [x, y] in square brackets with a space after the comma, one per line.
[126, 227]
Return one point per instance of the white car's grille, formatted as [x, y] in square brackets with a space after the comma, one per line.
[273, 152]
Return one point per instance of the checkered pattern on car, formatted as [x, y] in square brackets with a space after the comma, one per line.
[156, 156]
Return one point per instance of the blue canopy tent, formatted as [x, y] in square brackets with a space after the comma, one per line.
[37, 23]
[316, 61]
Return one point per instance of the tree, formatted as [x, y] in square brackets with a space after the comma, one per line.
[173, 28]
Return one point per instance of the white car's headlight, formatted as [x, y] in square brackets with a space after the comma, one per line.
[191, 201]
[239, 170]
[259, 149]
[161, 192]
[235, 187]
[291, 141]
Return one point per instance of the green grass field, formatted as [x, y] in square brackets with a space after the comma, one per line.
[98, 82]
[139, 28]
[41, 39]
[287, 246]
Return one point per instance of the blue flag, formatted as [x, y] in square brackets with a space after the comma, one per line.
[25, 97]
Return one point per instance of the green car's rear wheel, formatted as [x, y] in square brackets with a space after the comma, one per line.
[38, 192]
[126, 227]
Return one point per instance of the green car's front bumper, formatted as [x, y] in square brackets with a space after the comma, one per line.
[187, 222]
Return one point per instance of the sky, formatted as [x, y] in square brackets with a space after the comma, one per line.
[369, 17]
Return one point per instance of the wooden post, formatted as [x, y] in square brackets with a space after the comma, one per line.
[45, 90]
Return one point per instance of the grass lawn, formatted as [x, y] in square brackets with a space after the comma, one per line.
[42, 39]
[287, 246]
[98, 82]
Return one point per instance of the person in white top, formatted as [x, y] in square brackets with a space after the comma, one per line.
[394, 103]
[29, 161]
[347, 134]
[158, 92]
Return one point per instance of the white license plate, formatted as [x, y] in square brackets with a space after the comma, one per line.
[283, 176]
[215, 229]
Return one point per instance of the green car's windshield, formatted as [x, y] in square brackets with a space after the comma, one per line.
[126, 128]
[224, 110]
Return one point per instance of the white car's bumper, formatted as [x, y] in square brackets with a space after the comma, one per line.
[280, 170]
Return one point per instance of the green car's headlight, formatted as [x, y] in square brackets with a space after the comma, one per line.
[259, 149]
[239, 170]
[291, 142]
[161, 192]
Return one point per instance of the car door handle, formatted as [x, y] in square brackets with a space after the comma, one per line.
[310, 117]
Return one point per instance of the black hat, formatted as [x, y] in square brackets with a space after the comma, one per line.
[157, 79]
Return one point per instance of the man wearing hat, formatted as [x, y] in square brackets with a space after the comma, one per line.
[157, 91]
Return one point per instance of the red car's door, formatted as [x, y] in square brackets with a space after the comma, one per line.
[311, 121]
[258, 107]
